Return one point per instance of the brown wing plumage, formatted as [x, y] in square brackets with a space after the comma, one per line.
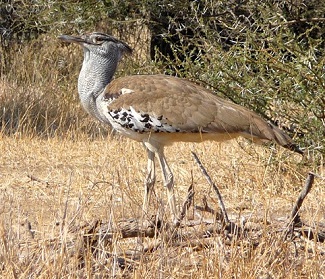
[190, 108]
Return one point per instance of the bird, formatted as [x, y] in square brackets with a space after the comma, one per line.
[158, 110]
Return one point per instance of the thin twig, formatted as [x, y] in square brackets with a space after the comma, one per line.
[186, 205]
[215, 188]
[308, 184]
[34, 178]
[64, 217]
[314, 19]
[295, 217]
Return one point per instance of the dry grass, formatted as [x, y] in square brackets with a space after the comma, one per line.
[51, 186]
[55, 181]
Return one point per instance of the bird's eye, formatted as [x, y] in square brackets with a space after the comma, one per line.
[98, 40]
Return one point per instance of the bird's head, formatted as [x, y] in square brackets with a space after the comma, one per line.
[100, 44]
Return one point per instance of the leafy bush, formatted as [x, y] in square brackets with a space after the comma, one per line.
[268, 56]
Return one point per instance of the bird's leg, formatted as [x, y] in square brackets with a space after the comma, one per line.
[150, 180]
[168, 183]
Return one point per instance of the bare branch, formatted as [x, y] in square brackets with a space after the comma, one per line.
[186, 205]
[215, 188]
[308, 184]
[314, 19]
[295, 220]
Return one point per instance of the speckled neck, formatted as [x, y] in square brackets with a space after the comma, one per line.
[96, 72]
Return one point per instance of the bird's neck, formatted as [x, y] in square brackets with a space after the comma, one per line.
[95, 74]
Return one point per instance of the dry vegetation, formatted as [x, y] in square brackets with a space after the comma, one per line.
[53, 190]
[62, 174]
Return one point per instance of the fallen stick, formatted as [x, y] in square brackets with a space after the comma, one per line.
[127, 228]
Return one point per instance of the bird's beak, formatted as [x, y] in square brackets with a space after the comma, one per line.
[72, 39]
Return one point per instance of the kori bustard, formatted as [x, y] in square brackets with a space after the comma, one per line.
[158, 110]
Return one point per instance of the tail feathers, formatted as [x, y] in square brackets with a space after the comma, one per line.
[294, 147]
[261, 130]
[284, 140]
[280, 137]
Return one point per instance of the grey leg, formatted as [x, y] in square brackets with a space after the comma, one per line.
[150, 180]
[168, 182]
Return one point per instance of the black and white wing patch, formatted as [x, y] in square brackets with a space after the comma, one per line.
[140, 122]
